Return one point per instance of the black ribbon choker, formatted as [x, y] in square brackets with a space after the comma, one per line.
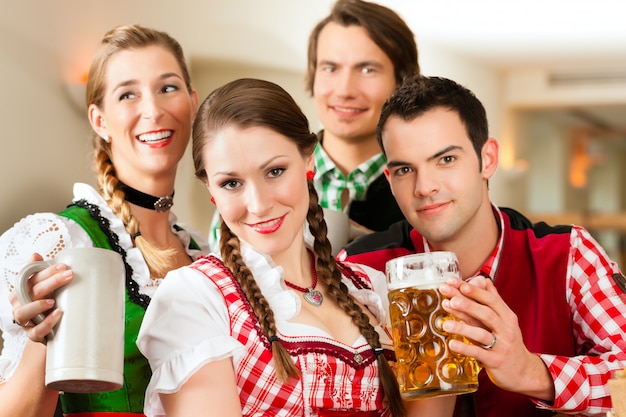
[141, 199]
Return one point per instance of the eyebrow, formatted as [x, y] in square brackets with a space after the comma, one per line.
[361, 64]
[369, 64]
[392, 164]
[262, 166]
[133, 81]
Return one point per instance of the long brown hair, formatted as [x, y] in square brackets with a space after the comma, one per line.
[250, 102]
[118, 39]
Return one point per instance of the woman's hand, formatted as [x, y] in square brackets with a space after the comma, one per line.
[41, 286]
[484, 318]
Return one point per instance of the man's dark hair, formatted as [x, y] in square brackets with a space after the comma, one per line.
[419, 94]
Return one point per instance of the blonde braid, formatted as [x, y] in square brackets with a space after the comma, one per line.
[159, 261]
[329, 274]
[231, 255]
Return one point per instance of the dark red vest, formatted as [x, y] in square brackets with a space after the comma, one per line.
[530, 279]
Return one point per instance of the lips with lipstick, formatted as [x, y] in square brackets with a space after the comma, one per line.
[269, 226]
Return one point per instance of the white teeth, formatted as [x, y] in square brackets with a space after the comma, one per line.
[265, 225]
[152, 137]
[268, 224]
[343, 109]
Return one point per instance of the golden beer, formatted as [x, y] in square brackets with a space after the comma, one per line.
[425, 366]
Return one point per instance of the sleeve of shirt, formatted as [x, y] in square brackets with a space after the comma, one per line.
[43, 233]
[598, 307]
[185, 327]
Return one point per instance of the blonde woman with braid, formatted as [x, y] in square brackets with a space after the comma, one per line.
[272, 326]
[141, 105]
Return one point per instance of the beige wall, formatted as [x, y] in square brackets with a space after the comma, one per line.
[45, 141]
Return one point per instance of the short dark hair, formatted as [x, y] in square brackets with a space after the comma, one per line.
[419, 94]
[388, 31]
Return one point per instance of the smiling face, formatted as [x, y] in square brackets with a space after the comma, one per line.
[258, 179]
[435, 176]
[353, 78]
[147, 113]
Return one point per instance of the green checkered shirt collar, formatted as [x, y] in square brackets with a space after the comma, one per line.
[330, 181]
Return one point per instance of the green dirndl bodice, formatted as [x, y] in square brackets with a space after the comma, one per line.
[137, 373]
[130, 397]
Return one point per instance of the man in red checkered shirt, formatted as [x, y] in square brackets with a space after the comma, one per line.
[544, 305]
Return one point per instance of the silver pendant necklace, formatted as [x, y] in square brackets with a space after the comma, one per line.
[311, 295]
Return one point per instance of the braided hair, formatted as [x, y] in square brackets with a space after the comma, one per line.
[118, 39]
[250, 102]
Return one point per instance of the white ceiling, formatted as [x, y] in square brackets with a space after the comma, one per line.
[571, 35]
[502, 33]
[508, 33]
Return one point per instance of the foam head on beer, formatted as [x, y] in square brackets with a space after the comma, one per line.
[421, 270]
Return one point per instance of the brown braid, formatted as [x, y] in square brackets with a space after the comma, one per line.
[231, 254]
[250, 102]
[329, 274]
[118, 39]
[159, 261]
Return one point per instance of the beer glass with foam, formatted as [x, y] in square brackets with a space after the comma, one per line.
[425, 366]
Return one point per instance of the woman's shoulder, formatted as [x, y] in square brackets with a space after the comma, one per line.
[211, 267]
[189, 282]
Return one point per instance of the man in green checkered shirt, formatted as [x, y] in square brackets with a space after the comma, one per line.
[356, 57]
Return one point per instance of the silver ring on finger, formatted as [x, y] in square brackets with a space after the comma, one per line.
[492, 344]
[27, 324]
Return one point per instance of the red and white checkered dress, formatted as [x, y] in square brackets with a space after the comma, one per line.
[336, 379]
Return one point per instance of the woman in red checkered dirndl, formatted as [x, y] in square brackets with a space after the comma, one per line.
[273, 325]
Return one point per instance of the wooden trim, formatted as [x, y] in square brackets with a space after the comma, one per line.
[591, 221]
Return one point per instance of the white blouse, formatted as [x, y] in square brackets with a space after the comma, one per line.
[190, 302]
[48, 234]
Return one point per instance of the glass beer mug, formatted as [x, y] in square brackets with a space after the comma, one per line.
[425, 366]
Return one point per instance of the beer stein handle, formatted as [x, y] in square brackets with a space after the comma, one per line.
[22, 288]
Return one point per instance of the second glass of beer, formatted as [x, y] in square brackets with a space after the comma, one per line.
[425, 366]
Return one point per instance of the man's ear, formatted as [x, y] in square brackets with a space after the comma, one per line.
[489, 157]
